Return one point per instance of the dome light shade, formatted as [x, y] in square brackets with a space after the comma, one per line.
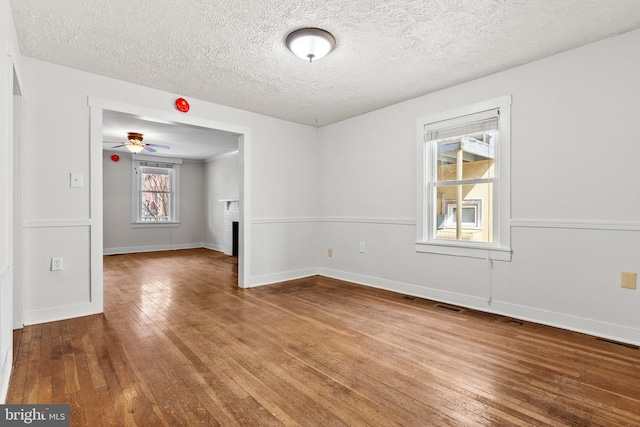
[135, 148]
[310, 43]
[135, 144]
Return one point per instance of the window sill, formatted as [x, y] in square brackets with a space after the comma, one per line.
[465, 250]
[155, 224]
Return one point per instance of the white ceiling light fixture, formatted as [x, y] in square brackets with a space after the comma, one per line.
[135, 142]
[135, 148]
[310, 43]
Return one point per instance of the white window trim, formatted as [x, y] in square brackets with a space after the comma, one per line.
[500, 248]
[175, 192]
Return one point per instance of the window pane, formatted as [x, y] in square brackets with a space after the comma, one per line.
[477, 212]
[468, 214]
[474, 152]
[156, 182]
[155, 206]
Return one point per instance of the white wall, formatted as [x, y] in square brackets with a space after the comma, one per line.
[120, 237]
[9, 59]
[58, 218]
[221, 183]
[575, 201]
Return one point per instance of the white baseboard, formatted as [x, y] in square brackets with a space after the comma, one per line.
[269, 279]
[213, 247]
[53, 314]
[530, 314]
[154, 248]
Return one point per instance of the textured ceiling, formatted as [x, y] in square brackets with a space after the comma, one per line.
[233, 53]
[184, 141]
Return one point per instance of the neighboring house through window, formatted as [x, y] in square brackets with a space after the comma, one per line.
[156, 192]
[464, 181]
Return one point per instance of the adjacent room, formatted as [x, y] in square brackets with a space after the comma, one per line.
[178, 192]
[321, 213]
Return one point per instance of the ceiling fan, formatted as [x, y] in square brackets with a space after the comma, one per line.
[135, 144]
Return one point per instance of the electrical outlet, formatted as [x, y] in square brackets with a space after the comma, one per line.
[361, 247]
[56, 263]
[330, 253]
[628, 280]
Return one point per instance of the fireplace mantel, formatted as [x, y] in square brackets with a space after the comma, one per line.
[228, 201]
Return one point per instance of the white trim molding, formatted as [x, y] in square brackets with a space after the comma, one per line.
[284, 276]
[152, 224]
[282, 220]
[580, 225]
[155, 248]
[352, 220]
[53, 223]
[213, 247]
[371, 220]
[469, 251]
[53, 314]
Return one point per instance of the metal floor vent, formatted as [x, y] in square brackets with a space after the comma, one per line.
[514, 322]
[409, 297]
[623, 344]
[448, 308]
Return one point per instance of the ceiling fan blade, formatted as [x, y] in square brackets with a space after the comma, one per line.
[159, 146]
[118, 146]
[151, 150]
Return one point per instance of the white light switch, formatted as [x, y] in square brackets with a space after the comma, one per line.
[76, 180]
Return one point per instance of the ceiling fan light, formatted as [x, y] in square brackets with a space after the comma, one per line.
[310, 43]
[135, 148]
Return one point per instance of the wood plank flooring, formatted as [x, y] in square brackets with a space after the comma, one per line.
[180, 345]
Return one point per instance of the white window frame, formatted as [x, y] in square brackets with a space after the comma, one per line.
[500, 247]
[450, 219]
[173, 165]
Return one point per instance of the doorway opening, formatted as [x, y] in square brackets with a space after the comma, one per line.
[104, 113]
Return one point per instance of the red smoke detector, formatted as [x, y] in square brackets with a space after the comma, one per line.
[182, 105]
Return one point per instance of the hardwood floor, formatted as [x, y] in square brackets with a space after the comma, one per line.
[180, 345]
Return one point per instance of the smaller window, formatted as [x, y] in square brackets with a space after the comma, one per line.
[471, 214]
[156, 195]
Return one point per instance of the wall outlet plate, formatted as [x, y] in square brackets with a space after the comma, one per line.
[56, 263]
[628, 280]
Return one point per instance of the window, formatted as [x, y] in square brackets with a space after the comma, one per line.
[471, 214]
[156, 192]
[464, 181]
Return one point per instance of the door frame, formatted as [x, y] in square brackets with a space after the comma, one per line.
[96, 107]
[15, 139]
